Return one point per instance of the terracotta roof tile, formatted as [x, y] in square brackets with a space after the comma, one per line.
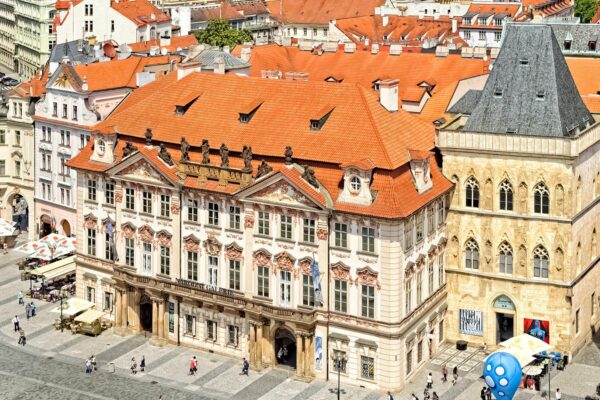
[140, 12]
[414, 94]
[320, 11]
[176, 43]
[596, 17]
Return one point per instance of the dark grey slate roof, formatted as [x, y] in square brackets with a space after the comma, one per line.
[467, 103]
[580, 36]
[530, 90]
[71, 50]
[206, 57]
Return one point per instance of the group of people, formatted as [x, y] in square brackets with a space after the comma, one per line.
[134, 365]
[486, 393]
[19, 329]
[282, 354]
[90, 365]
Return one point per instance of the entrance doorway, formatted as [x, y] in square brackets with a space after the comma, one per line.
[45, 225]
[146, 316]
[505, 327]
[285, 348]
[66, 227]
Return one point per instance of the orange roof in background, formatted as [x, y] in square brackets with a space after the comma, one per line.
[36, 87]
[413, 94]
[380, 135]
[117, 73]
[585, 71]
[494, 8]
[596, 17]
[140, 11]
[320, 11]
[177, 42]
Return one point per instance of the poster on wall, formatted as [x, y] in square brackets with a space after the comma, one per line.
[318, 353]
[471, 322]
[537, 328]
[171, 317]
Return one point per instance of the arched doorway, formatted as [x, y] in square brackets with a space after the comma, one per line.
[146, 313]
[46, 225]
[285, 347]
[505, 318]
[66, 227]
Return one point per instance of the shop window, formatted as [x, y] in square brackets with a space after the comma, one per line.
[367, 367]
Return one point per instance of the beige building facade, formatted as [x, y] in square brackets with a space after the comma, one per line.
[522, 227]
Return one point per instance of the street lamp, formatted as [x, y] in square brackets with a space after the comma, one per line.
[339, 359]
[62, 295]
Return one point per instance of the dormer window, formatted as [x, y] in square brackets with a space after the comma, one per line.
[592, 45]
[467, 21]
[541, 95]
[511, 129]
[524, 62]
[498, 21]
[319, 119]
[101, 147]
[498, 93]
[482, 21]
[355, 184]
[249, 110]
[184, 104]
[567, 45]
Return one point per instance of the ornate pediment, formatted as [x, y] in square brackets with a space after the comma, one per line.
[282, 192]
[141, 170]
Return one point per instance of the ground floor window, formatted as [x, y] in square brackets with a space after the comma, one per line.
[108, 301]
[419, 351]
[190, 325]
[211, 330]
[408, 362]
[91, 294]
[232, 335]
[367, 367]
[441, 332]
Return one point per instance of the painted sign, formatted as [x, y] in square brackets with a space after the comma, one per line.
[504, 303]
[471, 322]
[318, 353]
[171, 317]
[317, 283]
[537, 328]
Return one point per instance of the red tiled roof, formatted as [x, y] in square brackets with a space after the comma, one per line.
[177, 42]
[413, 94]
[140, 11]
[223, 10]
[320, 11]
[596, 17]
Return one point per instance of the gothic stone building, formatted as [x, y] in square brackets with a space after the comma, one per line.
[206, 200]
[524, 154]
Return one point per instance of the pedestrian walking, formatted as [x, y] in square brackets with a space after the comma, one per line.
[488, 394]
[143, 364]
[88, 366]
[193, 365]
[558, 394]
[33, 307]
[20, 297]
[15, 322]
[389, 396]
[435, 396]
[28, 310]
[93, 362]
[482, 394]
[444, 373]
[426, 394]
[413, 397]
[429, 381]
[455, 375]
[22, 338]
[245, 367]
[133, 366]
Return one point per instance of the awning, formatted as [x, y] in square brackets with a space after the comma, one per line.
[89, 316]
[524, 347]
[56, 269]
[73, 307]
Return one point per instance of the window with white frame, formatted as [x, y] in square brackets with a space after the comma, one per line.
[263, 281]
[285, 288]
[213, 214]
[235, 217]
[368, 239]
[147, 258]
[341, 234]
[263, 223]
[213, 271]
[308, 230]
[192, 210]
[234, 274]
[147, 202]
[46, 190]
[211, 330]
[190, 325]
[90, 294]
[505, 258]
[165, 204]
[91, 189]
[91, 242]
[419, 287]
[341, 295]
[17, 138]
[440, 261]
[430, 220]
[540, 262]
[408, 234]
[286, 227]
[308, 291]
[165, 260]
[3, 135]
[232, 335]
[467, 35]
[192, 265]
[108, 301]
[408, 296]
[430, 274]
[130, 199]
[129, 252]
[481, 35]
[541, 196]
[368, 301]
[420, 226]
[109, 192]
[497, 36]
[3, 169]
[367, 367]
[108, 253]
[471, 254]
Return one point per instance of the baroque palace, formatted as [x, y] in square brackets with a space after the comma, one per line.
[524, 154]
[283, 221]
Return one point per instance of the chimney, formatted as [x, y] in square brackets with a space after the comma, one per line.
[270, 74]
[219, 65]
[187, 68]
[388, 94]
[349, 47]
[454, 25]
[226, 49]
[374, 48]
[84, 85]
[289, 76]
[245, 53]
[385, 20]
[165, 41]
[143, 78]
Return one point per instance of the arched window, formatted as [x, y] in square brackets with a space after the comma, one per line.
[472, 195]
[540, 262]
[541, 199]
[505, 258]
[506, 196]
[471, 254]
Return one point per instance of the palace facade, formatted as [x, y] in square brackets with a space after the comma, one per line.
[246, 216]
[524, 155]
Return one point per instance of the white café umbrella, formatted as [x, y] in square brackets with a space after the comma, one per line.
[6, 230]
[29, 247]
[64, 247]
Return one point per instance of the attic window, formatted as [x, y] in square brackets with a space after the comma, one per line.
[319, 119]
[567, 45]
[511, 129]
[541, 94]
[592, 45]
[182, 106]
[498, 93]
[249, 110]
[524, 61]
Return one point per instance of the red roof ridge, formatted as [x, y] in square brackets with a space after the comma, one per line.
[363, 93]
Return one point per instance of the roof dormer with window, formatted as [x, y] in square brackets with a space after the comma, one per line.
[103, 150]
[357, 183]
[419, 168]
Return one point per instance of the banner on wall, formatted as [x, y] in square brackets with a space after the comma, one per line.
[314, 267]
[318, 353]
[171, 317]
[471, 322]
[537, 328]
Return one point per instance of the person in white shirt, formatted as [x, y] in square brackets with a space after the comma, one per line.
[558, 394]
[429, 381]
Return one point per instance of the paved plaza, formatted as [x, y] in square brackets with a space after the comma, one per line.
[51, 366]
